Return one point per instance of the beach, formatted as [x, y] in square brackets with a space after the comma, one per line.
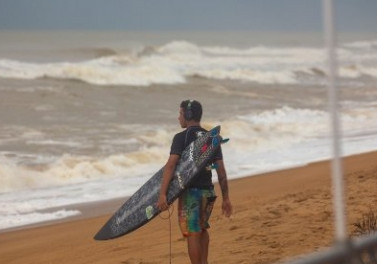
[277, 216]
[87, 117]
[90, 99]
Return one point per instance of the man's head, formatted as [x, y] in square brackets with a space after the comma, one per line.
[190, 110]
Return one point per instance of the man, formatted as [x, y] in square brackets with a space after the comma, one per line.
[196, 203]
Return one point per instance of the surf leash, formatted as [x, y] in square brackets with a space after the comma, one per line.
[170, 235]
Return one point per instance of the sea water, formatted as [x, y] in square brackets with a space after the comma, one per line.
[89, 116]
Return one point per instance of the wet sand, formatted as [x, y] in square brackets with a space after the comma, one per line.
[277, 216]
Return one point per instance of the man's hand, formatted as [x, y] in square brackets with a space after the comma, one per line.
[167, 175]
[227, 208]
[221, 175]
[162, 203]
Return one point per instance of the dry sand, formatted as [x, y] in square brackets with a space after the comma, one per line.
[276, 216]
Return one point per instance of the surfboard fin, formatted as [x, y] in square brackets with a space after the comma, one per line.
[224, 140]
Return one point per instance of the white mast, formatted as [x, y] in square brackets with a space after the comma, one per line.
[337, 172]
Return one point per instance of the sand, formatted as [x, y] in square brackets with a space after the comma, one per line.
[277, 216]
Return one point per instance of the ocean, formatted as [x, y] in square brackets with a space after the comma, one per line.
[89, 116]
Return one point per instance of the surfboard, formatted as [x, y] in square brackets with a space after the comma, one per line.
[141, 207]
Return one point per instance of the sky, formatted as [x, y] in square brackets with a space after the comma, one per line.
[149, 15]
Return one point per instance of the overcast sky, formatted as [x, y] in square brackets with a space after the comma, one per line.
[262, 15]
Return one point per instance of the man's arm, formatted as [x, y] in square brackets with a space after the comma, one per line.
[167, 175]
[223, 181]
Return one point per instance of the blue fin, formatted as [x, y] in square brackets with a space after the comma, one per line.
[225, 140]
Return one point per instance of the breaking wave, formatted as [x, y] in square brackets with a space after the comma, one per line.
[174, 62]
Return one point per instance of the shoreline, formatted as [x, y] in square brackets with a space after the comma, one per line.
[277, 216]
[108, 207]
[87, 210]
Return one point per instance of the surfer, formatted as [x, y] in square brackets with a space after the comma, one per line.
[196, 203]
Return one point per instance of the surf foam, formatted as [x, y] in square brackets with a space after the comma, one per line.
[33, 218]
[174, 62]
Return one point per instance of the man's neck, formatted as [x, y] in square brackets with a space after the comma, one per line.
[192, 124]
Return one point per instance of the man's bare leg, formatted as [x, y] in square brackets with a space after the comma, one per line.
[195, 248]
[198, 247]
[205, 243]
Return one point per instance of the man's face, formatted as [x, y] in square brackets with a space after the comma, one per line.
[181, 118]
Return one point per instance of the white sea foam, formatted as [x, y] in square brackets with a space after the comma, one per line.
[292, 137]
[362, 44]
[174, 62]
[70, 169]
[54, 142]
[32, 218]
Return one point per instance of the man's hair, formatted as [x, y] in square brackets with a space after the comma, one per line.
[192, 110]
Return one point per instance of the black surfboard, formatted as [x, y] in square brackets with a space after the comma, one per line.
[141, 207]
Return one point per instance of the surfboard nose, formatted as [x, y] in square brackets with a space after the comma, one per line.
[103, 234]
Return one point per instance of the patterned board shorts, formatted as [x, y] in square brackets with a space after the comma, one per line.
[194, 209]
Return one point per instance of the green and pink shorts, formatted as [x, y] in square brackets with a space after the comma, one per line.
[194, 209]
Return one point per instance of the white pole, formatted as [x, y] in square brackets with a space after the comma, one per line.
[337, 173]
